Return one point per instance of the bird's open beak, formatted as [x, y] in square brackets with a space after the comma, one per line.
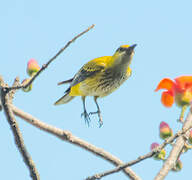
[131, 48]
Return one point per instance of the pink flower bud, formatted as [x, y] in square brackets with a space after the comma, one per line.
[158, 156]
[27, 89]
[178, 166]
[154, 145]
[190, 137]
[165, 130]
[32, 67]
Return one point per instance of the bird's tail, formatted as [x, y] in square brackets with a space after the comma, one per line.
[66, 81]
[64, 99]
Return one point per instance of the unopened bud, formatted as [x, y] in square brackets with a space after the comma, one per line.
[32, 67]
[190, 137]
[165, 130]
[161, 154]
[28, 88]
[178, 166]
[185, 148]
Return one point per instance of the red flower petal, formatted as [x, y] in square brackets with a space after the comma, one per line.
[165, 84]
[167, 98]
[183, 82]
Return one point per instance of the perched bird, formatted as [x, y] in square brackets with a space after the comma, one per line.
[99, 77]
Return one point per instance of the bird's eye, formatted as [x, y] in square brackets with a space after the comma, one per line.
[121, 49]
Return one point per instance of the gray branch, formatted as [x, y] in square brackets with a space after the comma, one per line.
[140, 158]
[69, 137]
[175, 152]
[16, 132]
[50, 61]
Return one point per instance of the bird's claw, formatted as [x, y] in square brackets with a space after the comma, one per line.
[99, 115]
[91, 113]
[86, 117]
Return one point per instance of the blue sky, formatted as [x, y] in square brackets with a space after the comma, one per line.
[131, 115]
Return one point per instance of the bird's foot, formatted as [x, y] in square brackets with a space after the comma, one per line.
[100, 117]
[86, 117]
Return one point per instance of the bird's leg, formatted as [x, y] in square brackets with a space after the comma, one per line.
[97, 112]
[85, 114]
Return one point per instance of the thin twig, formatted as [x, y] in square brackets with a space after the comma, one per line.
[51, 60]
[13, 91]
[140, 158]
[120, 167]
[67, 136]
[17, 134]
[175, 152]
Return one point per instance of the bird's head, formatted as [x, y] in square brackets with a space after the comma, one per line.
[124, 54]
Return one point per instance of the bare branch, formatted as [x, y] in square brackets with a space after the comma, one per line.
[175, 152]
[120, 167]
[67, 136]
[17, 134]
[12, 92]
[140, 158]
[51, 60]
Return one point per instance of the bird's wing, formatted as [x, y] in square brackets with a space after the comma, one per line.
[89, 70]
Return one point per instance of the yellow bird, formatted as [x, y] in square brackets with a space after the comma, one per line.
[99, 77]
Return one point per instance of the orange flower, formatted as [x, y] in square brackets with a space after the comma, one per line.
[178, 91]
